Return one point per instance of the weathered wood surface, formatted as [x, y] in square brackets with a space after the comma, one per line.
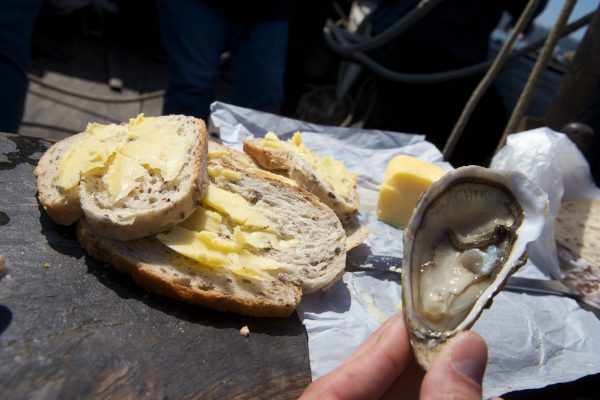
[53, 115]
[73, 327]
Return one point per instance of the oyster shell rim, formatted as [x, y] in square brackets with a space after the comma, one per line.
[426, 342]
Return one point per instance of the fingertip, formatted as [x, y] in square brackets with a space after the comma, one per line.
[468, 356]
[458, 370]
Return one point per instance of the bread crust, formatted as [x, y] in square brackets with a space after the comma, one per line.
[63, 207]
[148, 275]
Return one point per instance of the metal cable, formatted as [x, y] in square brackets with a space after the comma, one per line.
[537, 71]
[464, 72]
[396, 29]
[105, 99]
[489, 77]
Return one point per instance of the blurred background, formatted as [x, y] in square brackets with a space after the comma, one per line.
[108, 51]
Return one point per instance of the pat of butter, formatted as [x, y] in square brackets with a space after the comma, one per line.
[199, 236]
[207, 250]
[235, 207]
[158, 145]
[99, 143]
[229, 156]
[211, 251]
[333, 172]
[229, 174]
[406, 178]
[262, 240]
[270, 175]
[122, 177]
[202, 220]
[148, 142]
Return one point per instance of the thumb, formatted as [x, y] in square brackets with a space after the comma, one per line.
[457, 372]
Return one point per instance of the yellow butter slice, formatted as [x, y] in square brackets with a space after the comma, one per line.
[406, 178]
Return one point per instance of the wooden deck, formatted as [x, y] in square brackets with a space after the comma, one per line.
[86, 67]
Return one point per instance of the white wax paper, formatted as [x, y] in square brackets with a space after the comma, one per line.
[533, 340]
[555, 163]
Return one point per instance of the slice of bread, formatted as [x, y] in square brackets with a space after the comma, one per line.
[315, 262]
[62, 206]
[154, 205]
[356, 233]
[298, 169]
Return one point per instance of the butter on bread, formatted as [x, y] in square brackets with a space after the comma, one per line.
[290, 242]
[325, 177]
[129, 180]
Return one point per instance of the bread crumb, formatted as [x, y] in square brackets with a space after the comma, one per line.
[245, 331]
[45, 265]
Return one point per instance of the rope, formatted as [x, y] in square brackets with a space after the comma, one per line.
[489, 78]
[396, 29]
[456, 73]
[537, 71]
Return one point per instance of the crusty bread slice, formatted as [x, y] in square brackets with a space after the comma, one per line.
[155, 205]
[315, 263]
[356, 233]
[223, 154]
[62, 206]
[307, 178]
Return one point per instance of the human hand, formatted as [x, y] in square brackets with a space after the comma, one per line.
[384, 368]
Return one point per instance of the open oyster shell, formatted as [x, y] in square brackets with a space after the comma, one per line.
[467, 235]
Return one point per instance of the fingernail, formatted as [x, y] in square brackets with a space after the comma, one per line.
[469, 356]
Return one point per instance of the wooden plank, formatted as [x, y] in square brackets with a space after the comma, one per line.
[72, 327]
[53, 115]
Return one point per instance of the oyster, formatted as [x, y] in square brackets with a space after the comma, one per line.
[468, 233]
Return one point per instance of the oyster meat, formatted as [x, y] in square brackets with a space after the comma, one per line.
[468, 233]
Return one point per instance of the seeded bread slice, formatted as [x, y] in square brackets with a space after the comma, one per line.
[62, 206]
[316, 262]
[155, 205]
[356, 233]
[306, 177]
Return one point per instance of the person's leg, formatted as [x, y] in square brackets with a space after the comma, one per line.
[17, 19]
[193, 35]
[258, 66]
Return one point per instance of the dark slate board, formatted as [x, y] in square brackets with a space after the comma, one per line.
[73, 327]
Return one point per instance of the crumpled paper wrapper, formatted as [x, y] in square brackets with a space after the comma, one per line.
[533, 340]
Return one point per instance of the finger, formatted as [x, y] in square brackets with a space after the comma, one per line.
[374, 338]
[458, 371]
[368, 375]
[407, 385]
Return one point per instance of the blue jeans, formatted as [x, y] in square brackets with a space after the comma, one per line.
[17, 18]
[195, 35]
